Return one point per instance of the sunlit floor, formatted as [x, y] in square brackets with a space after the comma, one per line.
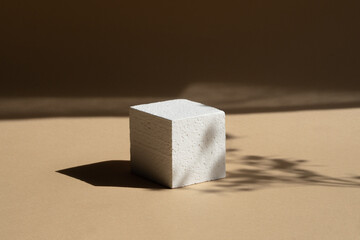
[290, 175]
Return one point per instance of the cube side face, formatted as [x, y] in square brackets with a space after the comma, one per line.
[198, 149]
[150, 147]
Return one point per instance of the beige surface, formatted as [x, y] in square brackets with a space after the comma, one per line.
[291, 175]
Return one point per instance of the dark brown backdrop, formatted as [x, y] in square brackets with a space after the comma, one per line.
[131, 48]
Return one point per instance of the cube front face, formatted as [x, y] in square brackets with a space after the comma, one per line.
[178, 151]
[198, 149]
[150, 147]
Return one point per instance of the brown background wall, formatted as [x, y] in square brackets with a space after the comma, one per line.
[132, 48]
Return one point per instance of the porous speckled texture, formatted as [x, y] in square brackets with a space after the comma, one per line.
[177, 142]
[198, 149]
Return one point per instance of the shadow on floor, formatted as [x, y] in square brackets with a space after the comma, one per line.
[258, 172]
[112, 173]
[254, 173]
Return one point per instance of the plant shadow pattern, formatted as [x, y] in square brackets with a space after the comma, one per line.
[258, 172]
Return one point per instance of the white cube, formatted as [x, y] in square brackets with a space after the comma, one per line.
[177, 142]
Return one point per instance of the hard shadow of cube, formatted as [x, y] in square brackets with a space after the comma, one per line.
[111, 173]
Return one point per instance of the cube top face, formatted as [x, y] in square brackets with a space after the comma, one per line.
[177, 109]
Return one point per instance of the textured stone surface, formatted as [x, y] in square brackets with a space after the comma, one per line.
[177, 142]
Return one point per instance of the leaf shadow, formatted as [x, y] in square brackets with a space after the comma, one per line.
[258, 172]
